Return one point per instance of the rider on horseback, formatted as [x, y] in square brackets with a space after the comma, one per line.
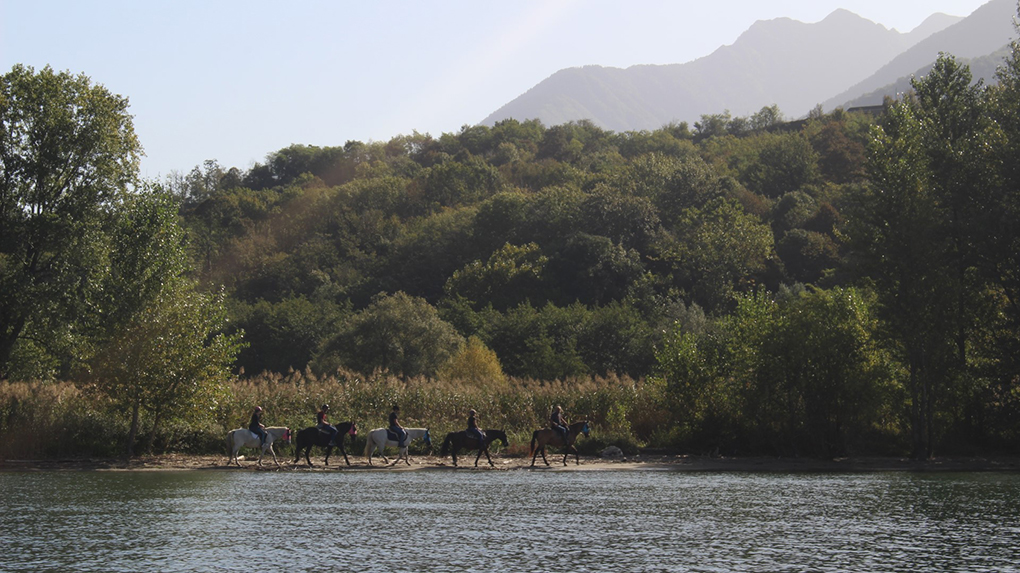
[559, 423]
[473, 431]
[323, 425]
[255, 425]
[396, 428]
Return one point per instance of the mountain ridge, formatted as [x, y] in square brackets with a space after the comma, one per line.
[982, 33]
[781, 61]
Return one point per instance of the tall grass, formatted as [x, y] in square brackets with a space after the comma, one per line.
[56, 419]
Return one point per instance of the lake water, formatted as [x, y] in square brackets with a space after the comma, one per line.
[508, 521]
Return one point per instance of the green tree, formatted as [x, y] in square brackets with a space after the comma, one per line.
[593, 270]
[399, 333]
[717, 251]
[537, 343]
[511, 275]
[1002, 260]
[766, 117]
[67, 151]
[284, 335]
[160, 345]
[800, 374]
[807, 255]
[784, 163]
[712, 125]
[454, 184]
[920, 231]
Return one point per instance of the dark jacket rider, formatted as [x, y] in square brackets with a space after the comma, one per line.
[396, 428]
[559, 423]
[323, 424]
[256, 427]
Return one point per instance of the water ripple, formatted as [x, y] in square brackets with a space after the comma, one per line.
[521, 521]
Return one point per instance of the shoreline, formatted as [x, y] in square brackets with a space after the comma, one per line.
[679, 463]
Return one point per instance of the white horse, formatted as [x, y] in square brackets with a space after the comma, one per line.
[377, 440]
[245, 438]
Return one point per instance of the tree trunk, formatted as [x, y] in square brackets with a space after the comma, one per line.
[916, 413]
[157, 418]
[134, 429]
[8, 338]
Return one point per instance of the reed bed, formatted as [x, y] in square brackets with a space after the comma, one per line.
[53, 419]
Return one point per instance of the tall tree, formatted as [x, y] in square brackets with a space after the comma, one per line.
[920, 234]
[1003, 398]
[67, 150]
[159, 345]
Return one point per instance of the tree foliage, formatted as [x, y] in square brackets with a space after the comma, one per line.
[68, 151]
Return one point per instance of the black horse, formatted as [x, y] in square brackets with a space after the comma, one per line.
[455, 441]
[305, 439]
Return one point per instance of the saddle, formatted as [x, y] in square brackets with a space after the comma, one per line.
[392, 436]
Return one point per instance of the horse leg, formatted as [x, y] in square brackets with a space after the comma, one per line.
[235, 447]
[402, 454]
[344, 451]
[566, 455]
[479, 456]
[534, 455]
[272, 451]
[329, 450]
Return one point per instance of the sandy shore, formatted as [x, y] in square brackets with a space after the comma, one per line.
[633, 463]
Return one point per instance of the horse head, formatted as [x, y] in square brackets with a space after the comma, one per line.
[586, 429]
[354, 429]
[499, 435]
[286, 435]
[428, 438]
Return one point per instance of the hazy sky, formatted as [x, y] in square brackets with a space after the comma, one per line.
[234, 81]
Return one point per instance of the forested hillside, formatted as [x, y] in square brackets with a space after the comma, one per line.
[567, 250]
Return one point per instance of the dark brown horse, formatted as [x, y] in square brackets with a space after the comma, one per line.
[309, 437]
[550, 437]
[455, 441]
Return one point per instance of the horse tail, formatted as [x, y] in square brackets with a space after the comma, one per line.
[446, 445]
[534, 441]
[230, 445]
[368, 444]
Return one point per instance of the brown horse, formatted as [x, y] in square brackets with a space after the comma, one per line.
[550, 437]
